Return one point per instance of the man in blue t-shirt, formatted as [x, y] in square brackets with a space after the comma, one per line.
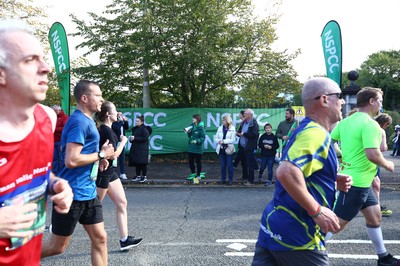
[82, 159]
[294, 223]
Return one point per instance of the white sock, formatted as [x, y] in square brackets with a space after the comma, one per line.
[124, 239]
[375, 234]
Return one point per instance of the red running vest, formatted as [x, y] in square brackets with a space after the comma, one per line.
[24, 174]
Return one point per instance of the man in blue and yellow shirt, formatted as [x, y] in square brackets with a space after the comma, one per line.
[294, 223]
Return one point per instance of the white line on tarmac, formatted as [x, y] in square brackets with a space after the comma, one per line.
[359, 241]
[332, 241]
[330, 255]
[236, 240]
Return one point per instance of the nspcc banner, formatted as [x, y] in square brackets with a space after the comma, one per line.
[167, 125]
[59, 48]
[332, 47]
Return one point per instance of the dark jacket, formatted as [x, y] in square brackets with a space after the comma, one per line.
[116, 127]
[252, 135]
[271, 140]
[139, 153]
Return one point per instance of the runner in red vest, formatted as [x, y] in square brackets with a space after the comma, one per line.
[26, 147]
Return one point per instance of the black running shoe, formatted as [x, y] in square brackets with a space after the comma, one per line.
[388, 260]
[129, 243]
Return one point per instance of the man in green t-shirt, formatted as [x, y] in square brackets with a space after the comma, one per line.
[360, 138]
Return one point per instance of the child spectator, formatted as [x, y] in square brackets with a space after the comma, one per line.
[268, 143]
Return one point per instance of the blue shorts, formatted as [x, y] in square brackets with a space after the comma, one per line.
[349, 204]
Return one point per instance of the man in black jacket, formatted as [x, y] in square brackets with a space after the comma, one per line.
[247, 144]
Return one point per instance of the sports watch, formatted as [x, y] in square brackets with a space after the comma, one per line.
[101, 155]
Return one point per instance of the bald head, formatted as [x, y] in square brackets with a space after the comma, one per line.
[322, 101]
[316, 87]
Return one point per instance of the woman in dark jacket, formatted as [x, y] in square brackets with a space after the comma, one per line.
[139, 153]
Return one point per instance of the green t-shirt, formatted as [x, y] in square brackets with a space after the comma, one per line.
[357, 133]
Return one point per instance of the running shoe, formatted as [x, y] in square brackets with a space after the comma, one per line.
[136, 179]
[388, 260]
[129, 243]
[385, 212]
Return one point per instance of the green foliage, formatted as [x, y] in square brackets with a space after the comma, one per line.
[197, 51]
[382, 70]
[33, 15]
[29, 12]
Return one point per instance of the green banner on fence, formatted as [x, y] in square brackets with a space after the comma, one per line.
[167, 124]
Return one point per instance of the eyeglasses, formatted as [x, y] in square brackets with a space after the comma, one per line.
[337, 94]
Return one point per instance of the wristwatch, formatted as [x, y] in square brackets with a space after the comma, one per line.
[101, 155]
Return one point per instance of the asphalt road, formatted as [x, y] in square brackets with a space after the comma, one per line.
[212, 226]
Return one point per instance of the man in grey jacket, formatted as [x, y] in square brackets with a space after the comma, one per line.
[247, 144]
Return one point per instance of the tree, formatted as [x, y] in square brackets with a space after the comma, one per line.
[30, 13]
[382, 70]
[196, 50]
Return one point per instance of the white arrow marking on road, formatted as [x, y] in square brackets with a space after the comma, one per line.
[237, 246]
[239, 254]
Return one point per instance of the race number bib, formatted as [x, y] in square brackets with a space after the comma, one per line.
[35, 195]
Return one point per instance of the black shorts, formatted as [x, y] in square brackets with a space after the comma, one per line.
[349, 204]
[86, 212]
[103, 180]
[264, 256]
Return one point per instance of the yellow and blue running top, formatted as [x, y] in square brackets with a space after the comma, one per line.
[285, 225]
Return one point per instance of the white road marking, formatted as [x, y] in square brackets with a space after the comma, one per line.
[330, 255]
[359, 241]
[237, 246]
[239, 254]
[236, 240]
[335, 256]
[332, 241]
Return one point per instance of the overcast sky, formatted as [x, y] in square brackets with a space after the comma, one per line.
[367, 27]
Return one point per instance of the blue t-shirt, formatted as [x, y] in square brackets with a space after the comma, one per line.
[82, 130]
[285, 225]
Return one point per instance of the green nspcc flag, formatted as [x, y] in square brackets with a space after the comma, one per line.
[59, 48]
[332, 47]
